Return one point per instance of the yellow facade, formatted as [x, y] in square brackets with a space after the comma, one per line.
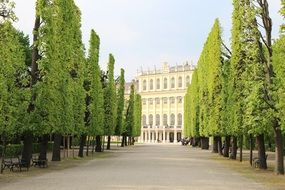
[162, 93]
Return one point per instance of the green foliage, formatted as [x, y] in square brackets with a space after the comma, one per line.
[137, 116]
[59, 104]
[94, 89]
[13, 97]
[279, 80]
[282, 12]
[110, 100]
[121, 104]
[6, 11]
[130, 121]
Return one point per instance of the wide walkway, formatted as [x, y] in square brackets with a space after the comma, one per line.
[142, 167]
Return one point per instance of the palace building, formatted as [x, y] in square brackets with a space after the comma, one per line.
[162, 93]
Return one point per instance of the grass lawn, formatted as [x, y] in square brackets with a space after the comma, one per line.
[266, 177]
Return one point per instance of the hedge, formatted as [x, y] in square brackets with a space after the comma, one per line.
[13, 150]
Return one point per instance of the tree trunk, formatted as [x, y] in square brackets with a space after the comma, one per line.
[43, 147]
[123, 141]
[28, 147]
[109, 143]
[98, 147]
[205, 143]
[234, 148]
[3, 153]
[56, 147]
[261, 152]
[240, 148]
[250, 149]
[215, 145]
[227, 146]
[279, 154]
[93, 144]
[87, 145]
[82, 144]
[220, 145]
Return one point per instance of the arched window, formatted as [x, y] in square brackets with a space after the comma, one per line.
[144, 101]
[144, 85]
[172, 119]
[172, 100]
[151, 84]
[165, 83]
[157, 101]
[164, 100]
[187, 81]
[172, 82]
[180, 82]
[157, 120]
[144, 120]
[179, 119]
[157, 84]
[150, 119]
[150, 101]
[179, 100]
[164, 119]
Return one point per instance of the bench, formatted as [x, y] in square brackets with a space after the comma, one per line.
[39, 162]
[256, 161]
[15, 162]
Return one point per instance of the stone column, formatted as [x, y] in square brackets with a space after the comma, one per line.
[175, 136]
[164, 135]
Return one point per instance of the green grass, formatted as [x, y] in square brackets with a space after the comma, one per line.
[266, 177]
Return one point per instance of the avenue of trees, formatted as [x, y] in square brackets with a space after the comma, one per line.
[237, 93]
[51, 89]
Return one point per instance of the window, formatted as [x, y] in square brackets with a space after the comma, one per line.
[150, 101]
[180, 82]
[179, 99]
[172, 100]
[157, 100]
[164, 119]
[157, 120]
[150, 119]
[157, 84]
[187, 81]
[144, 120]
[165, 83]
[179, 119]
[172, 82]
[144, 101]
[151, 84]
[164, 100]
[172, 119]
[144, 85]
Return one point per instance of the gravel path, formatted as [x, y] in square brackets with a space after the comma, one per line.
[169, 167]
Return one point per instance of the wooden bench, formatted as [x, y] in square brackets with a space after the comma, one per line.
[39, 162]
[15, 162]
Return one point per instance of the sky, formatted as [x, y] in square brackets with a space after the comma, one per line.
[142, 34]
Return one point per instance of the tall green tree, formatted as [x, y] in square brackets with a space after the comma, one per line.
[110, 102]
[14, 96]
[137, 116]
[130, 121]
[121, 104]
[94, 93]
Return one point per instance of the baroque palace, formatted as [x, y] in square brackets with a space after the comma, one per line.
[162, 93]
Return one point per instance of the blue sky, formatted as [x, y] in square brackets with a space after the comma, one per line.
[144, 33]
